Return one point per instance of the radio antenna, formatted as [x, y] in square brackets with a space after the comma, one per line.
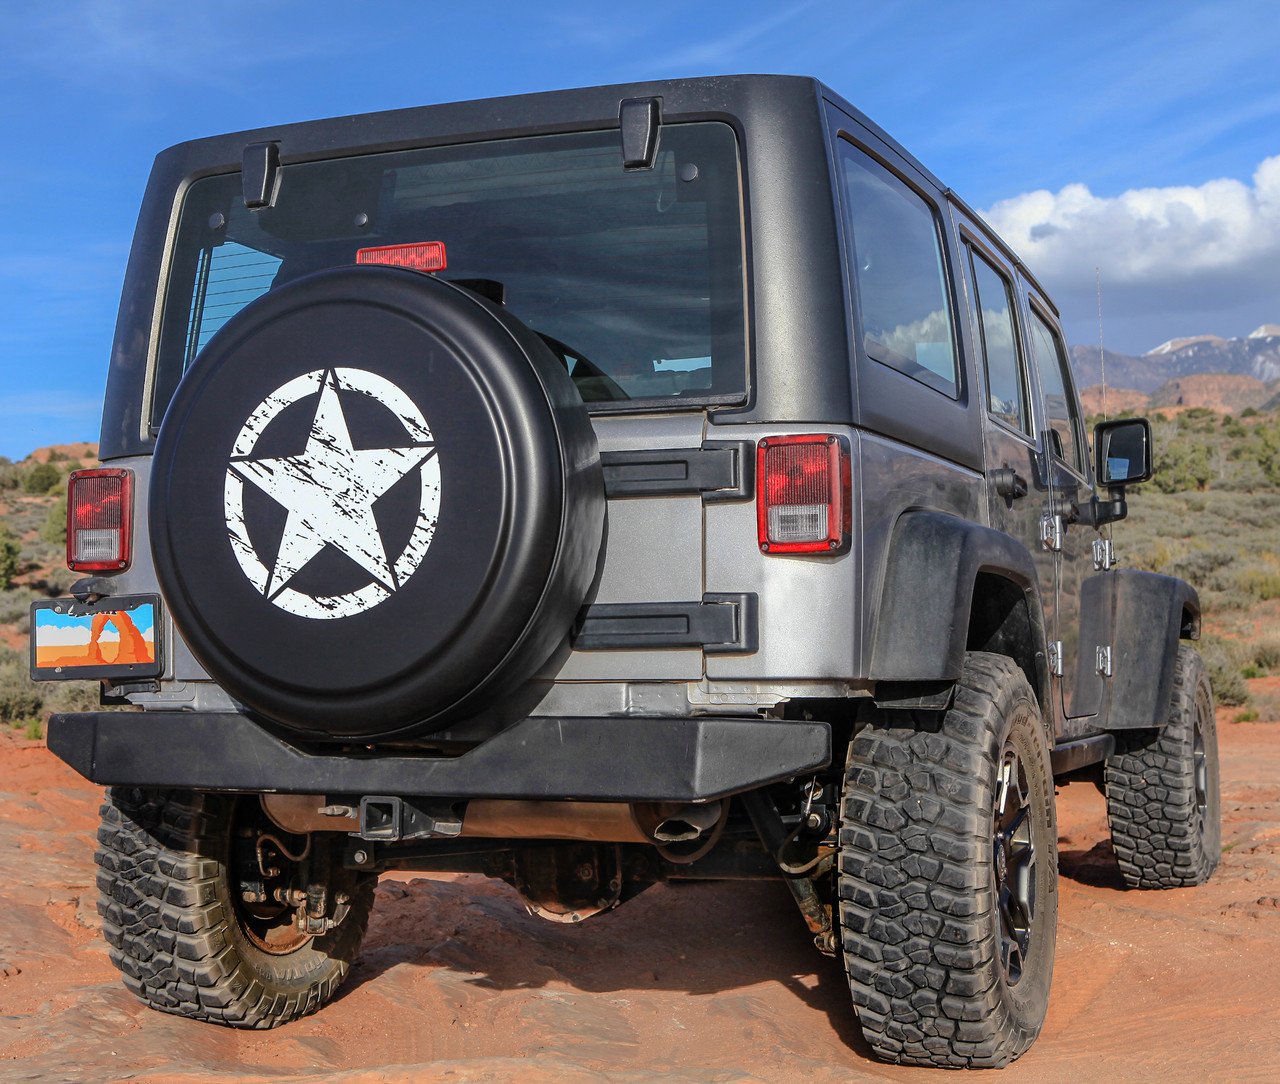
[1102, 354]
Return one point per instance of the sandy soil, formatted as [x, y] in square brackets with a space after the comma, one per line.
[702, 983]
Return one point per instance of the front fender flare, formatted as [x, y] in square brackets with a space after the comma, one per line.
[1152, 613]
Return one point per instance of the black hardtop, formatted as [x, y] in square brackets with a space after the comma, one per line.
[744, 97]
[797, 311]
[779, 116]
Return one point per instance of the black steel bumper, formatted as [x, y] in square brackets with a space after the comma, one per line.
[601, 759]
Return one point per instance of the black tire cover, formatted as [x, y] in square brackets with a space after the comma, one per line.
[376, 504]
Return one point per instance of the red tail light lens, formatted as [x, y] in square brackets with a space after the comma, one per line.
[803, 503]
[99, 520]
[422, 256]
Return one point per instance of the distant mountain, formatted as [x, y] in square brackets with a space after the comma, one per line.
[1256, 355]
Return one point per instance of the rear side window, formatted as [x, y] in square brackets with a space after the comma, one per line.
[1006, 388]
[899, 273]
[634, 279]
[1065, 436]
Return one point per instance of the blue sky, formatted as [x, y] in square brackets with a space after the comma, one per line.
[1137, 138]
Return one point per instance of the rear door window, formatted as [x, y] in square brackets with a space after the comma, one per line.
[899, 272]
[1006, 382]
[634, 279]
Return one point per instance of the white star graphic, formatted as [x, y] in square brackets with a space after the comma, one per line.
[329, 491]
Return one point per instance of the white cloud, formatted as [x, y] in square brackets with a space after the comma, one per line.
[1220, 230]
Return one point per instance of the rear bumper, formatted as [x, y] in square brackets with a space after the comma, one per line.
[591, 758]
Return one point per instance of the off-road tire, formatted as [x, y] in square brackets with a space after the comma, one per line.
[919, 905]
[1162, 789]
[172, 927]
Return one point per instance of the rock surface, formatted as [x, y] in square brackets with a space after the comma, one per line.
[702, 983]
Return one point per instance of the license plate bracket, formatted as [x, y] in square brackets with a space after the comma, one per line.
[116, 637]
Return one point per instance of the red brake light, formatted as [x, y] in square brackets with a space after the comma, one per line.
[803, 503]
[99, 520]
[421, 256]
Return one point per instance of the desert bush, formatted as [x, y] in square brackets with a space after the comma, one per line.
[1259, 582]
[10, 557]
[15, 605]
[41, 478]
[20, 697]
[1197, 565]
[71, 696]
[1223, 660]
[54, 530]
[1266, 652]
[56, 582]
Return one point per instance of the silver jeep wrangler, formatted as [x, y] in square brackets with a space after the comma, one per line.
[600, 488]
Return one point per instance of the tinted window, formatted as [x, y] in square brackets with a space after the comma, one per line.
[1059, 398]
[1006, 388]
[633, 278]
[899, 271]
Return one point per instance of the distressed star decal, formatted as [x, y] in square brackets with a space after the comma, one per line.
[329, 490]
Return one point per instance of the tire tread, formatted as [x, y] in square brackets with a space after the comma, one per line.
[920, 952]
[165, 925]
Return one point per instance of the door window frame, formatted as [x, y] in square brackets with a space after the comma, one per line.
[1036, 307]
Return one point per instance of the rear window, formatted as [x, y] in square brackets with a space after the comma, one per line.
[634, 279]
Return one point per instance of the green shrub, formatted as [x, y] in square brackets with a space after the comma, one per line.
[1262, 584]
[1249, 716]
[1181, 462]
[1266, 652]
[20, 697]
[11, 474]
[54, 530]
[60, 696]
[34, 729]
[41, 478]
[15, 605]
[57, 582]
[10, 557]
[1198, 565]
[1249, 412]
[1222, 661]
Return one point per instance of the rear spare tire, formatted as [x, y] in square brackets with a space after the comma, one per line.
[376, 504]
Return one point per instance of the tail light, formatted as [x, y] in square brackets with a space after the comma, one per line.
[421, 256]
[803, 503]
[99, 520]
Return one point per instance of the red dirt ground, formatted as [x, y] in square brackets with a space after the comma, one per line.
[705, 983]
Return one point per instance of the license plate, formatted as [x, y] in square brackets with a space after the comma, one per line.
[112, 638]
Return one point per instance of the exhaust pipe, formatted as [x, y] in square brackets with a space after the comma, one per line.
[592, 822]
[689, 822]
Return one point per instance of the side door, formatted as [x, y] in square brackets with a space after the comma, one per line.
[1082, 665]
[1018, 486]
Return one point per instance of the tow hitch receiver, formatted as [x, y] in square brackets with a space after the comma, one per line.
[390, 818]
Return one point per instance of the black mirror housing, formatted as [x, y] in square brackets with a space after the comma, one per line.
[1122, 451]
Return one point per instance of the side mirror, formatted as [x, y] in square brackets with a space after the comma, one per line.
[1122, 451]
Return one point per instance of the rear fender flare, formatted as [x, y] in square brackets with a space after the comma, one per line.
[926, 604]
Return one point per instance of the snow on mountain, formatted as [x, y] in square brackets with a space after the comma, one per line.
[1256, 355]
